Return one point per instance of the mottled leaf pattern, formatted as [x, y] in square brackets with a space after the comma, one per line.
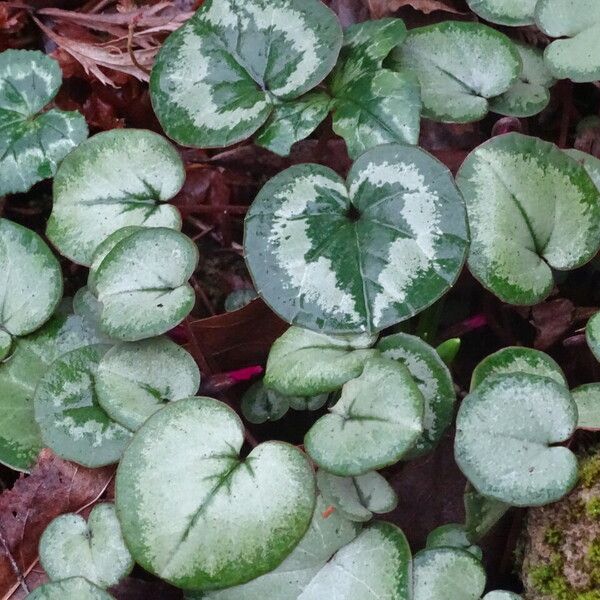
[217, 79]
[587, 399]
[524, 415]
[32, 143]
[115, 179]
[481, 513]
[531, 209]
[592, 334]
[181, 518]
[590, 163]
[260, 404]
[362, 255]
[505, 12]
[377, 419]
[502, 595]
[76, 587]
[459, 66]
[453, 535]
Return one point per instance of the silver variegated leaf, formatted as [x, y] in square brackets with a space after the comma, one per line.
[115, 179]
[481, 513]
[587, 399]
[32, 143]
[505, 12]
[531, 209]
[592, 334]
[453, 535]
[590, 163]
[361, 255]
[502, 595]
[76, 587]
[218, 78]
[260, 404]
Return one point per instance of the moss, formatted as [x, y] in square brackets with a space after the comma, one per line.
[548, 579]
[553, 537]
[589, 471]
[592, 508]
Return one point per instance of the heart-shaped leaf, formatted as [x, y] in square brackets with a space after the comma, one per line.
[70, 547]
[20, 441]
[459, 66]
[72, 422]
[524, 415]
[30, 282]
[529, 95]
[578, 21]
[516, 359]
[142, 283]
[587, 399]
[305, 363]
[531, 209]
[371, 105]
[216, 79]
[447, 574]
[181, 518]
[592, 334]
[433, 380]
[505, 12]
[357, 498]
[76, 587]
[33, 142]
[377, 419]
[453, 535]
[325, 536]
[502, 595]
[134, 380]
[360, 256]
[116, 178]
[260, 404]
[481, 513]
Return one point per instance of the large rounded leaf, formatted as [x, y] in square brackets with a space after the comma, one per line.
[531, 209]
[116, 178]
[378, 418]
[578, 21]
[142, 283]
[505, 12]
[30, 280]
[76, 587]
[447, 574]
[32, 143]
[70, 547]
[134, 380]
[587, 399]
[433, 380]
[459, 66]
[197, 515]
[516, 359]
[362, 255]
[524, 415]
[215, 79]
[592, 334]
[72, 422]
[20, 440]
[305, 363]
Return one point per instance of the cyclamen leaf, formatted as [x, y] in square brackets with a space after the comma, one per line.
[308, 402]
[239, 298]
[453, 535]
[523, 414]
[587, 399]
[20, 440]
[592, 334]
[86, 306]
[459, 66]
[134, 380]
[590, 163]
[377, 419]
[529, 95]
[357, 498]
[76, 587]
[142, 283]
[516, 359]
[181, 518]
[70, 547]
[447, 574]
[30, 280]
[305, 363]
[260, 404]
[215, 78]
[116, 178]
[72, 422]
[505, 12]
[32, 143]
[502, 595]
[531, 209]
[481, 513]
[6, 344]
[578, 21]
[433, 380]
[357, 256]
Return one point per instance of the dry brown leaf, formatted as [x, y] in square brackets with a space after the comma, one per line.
[384, 8]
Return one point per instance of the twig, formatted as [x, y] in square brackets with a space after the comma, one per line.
[132, 55]
[196, 349]
[13, 563]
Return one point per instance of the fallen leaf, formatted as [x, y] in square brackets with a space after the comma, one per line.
[384, 8]
[552, 320]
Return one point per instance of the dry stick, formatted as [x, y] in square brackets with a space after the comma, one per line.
[13, 563]
[132, 55]
[200, 291]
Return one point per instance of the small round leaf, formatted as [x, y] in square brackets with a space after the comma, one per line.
[362, 255]
[453, 535]
[134, 380]
[378, 418]
[531, 209]
[70, 547]
[592, 334]
[76, 587]
[524, 415]
[72, 422]
[116, 178]
[587, 399]
[260, 404]
[502, 595]
[505, 12]
[142, 284]
[183, 491]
